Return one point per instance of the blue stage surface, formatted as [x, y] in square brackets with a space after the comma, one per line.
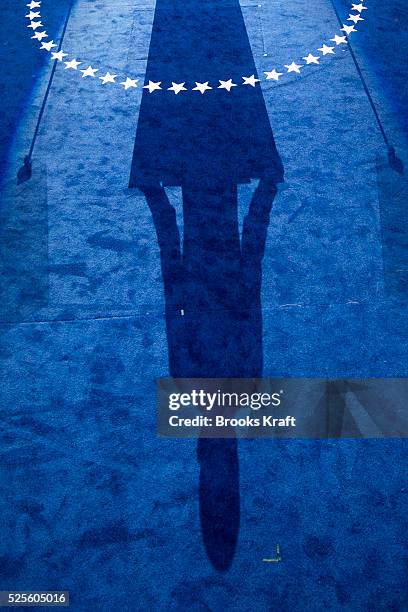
[254, 232]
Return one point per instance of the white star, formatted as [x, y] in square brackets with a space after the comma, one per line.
[58, 55]
[35, 24]
[293, 67]
[48, 45]
[108, 78]
[339, 40]
[311, 59]
[32, 16]
[355, 18]
[73, 64]
[358, 7]
[272, 74]
[228, 85]
[129, 83]
[33, 5]
[348, 29]
[152, 86]
[91, 72]
[202, 87]
[177, 87]
[250, 80]
[326, 50]
[40, 35]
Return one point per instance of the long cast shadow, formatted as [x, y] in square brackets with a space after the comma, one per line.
[207, 145]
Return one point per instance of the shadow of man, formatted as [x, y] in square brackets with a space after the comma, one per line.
[208, 144]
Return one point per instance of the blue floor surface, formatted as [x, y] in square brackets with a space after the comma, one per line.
[307, 281]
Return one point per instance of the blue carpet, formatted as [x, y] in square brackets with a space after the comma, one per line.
[141, 205]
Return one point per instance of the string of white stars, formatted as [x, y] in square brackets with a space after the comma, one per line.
[36, 26]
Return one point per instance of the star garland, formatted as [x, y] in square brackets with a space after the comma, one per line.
[228, 85]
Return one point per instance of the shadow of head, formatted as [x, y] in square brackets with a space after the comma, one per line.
[219, 499]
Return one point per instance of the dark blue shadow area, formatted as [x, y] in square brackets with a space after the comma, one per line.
[21, 62]
[208, 144]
